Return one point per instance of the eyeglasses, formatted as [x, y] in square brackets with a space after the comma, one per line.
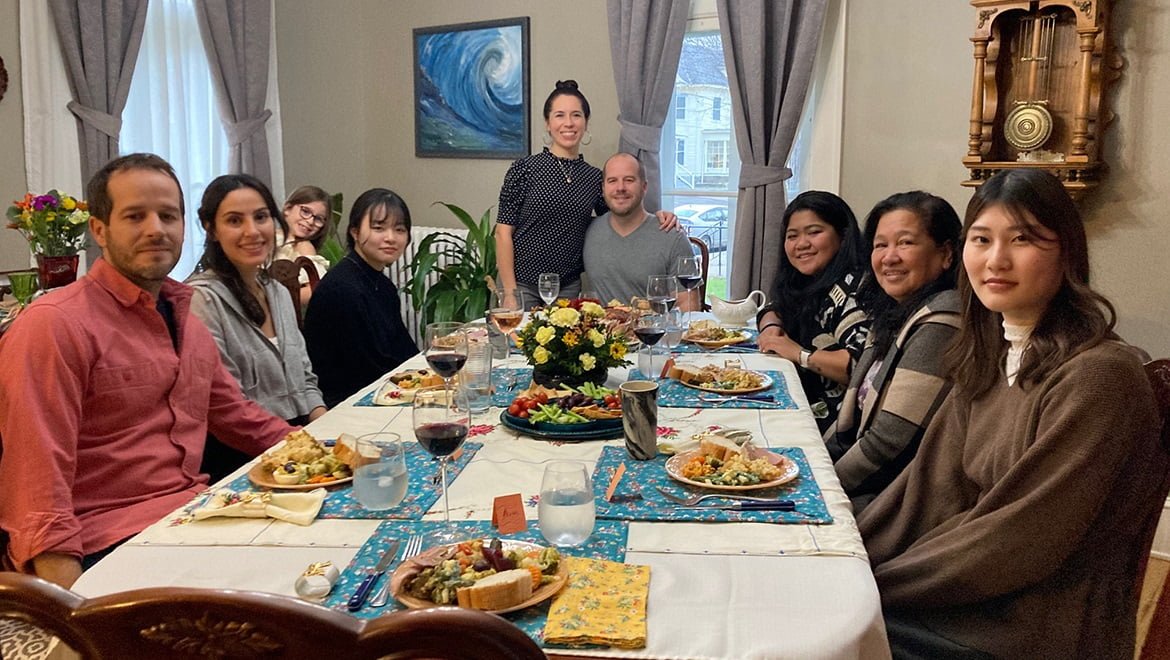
[307, 214]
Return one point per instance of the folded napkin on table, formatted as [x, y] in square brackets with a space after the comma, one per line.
[603, 603]
[298, 508]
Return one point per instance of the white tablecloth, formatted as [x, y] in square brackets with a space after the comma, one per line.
[731, 590]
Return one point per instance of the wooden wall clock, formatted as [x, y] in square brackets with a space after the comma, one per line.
[1041, 67]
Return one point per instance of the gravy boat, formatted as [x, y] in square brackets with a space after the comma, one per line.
[737, 312]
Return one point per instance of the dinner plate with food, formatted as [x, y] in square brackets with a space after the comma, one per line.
[708, 334]
[305, 463]
[591, 412]
[721, 380]
[400, 387]
[722, 464]
[496, 576]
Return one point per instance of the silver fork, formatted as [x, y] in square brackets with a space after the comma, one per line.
[691, 501]
[719, 399]
[413, 547]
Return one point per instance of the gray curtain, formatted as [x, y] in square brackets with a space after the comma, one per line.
[769, 46]
[236, 36]
[645, 40]
[99, 41]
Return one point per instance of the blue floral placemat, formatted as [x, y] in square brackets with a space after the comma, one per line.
[607, 542]
[673, 394]
[421, 494]
[637, 497]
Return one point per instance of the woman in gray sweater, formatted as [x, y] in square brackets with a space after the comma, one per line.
[251, 316]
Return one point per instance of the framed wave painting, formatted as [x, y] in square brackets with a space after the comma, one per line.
[471, 90]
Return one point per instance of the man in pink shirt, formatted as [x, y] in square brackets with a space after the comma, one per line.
[110, 386]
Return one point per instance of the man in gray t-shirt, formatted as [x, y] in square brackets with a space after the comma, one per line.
[622, 249]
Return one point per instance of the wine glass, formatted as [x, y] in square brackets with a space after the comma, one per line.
[441, 418]
[507, 309]
[662, 292]
[549, 287]
[446, 349]
[566, 511]
[689, 271]
[649, 329]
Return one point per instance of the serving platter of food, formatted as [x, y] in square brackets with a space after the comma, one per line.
[708, 334]
[305, 463]
[720, 380]
[496, 576]
[592, 412]
[721, 464]
[400, 387]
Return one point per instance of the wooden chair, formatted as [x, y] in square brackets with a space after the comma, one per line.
[287, 272]
[176, 622]
[1157, 642]
[705, 257]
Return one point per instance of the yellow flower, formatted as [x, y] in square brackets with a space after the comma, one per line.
[588, 361]
[571, 338]
[592, 310]
[562, 302]
[68, 203]
[565, 317]
[617, 351]
[545, 334]
[541, 355]
[596, 337]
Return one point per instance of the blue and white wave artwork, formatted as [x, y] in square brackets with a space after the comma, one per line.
[469, 92]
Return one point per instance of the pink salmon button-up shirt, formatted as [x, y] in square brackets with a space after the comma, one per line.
[102, 422]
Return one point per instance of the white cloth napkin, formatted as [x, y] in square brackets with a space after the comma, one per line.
[297, 508]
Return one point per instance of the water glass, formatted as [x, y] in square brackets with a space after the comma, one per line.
[549, 287]
[674, 329]
[380, 480]
[24, 285]
[566, 512]
[476, 377]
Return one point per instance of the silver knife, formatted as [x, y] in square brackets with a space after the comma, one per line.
[367, 585]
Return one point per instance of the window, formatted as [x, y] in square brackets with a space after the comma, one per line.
[680, 106]
[680, 151]
[716, 108]
[716, 159]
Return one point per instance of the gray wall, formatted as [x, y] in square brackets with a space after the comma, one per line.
[13, 183]
[908, 72]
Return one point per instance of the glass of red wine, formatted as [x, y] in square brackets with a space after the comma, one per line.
[446, 349]
[689, 271]
[649, 328]
[441, 419]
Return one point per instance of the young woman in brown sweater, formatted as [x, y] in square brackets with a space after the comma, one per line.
[1016, 531]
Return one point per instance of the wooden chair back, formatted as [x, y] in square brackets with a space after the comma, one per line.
[287, 272]
[1157, 642]
[176, 622]
[705, 257]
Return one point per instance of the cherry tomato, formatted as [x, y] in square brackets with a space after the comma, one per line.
[514, 409]
[531, 404]
[523, 414]
[542, 397]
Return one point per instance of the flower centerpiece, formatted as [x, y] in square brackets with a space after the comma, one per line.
[568, 343]
[54, 224]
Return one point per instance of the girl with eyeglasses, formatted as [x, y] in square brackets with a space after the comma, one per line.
[306, 212]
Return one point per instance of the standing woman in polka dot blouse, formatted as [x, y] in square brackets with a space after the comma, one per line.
[548, 200]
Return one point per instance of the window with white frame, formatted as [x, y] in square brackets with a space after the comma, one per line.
[716, 160]
[680, 106]
[716, 108]
[680, 151]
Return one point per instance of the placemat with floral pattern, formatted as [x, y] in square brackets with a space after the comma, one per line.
[673, 394]
[637, 497]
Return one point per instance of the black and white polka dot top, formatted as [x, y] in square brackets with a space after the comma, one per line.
[550, 201]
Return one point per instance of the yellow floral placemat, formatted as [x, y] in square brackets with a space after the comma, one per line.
[603, 603]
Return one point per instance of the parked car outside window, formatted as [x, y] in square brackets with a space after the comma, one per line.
[707, 222]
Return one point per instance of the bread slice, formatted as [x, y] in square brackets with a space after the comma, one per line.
[718, 446]
[345, 449]
[685, 373]
[497, 592]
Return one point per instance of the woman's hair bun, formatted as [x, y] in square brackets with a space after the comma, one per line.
[567, 84]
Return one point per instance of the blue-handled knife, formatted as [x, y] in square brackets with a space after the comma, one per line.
[363, 591]
[777, 505]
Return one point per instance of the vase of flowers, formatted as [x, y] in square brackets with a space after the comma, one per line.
[54, 224]
[567, 343]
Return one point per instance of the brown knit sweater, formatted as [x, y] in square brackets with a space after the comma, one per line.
[1016, 529]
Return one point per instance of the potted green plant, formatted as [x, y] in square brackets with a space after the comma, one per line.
[333, 249]
[461, 292]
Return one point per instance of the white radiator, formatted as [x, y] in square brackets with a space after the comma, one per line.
[399, 273]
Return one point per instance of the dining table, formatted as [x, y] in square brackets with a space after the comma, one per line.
[745, 585]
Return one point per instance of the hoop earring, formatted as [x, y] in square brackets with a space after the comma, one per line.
[588, 139]
[546, 138]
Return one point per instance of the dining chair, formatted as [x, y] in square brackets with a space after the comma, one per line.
[287, 272]
[1157, 642]
[705, 257]
[181, 622]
